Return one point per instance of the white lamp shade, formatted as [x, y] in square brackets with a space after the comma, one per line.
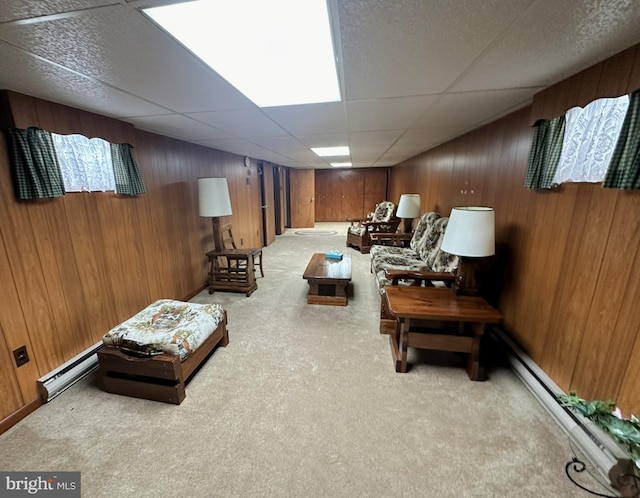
[409, 206]
[213, 197]
[470, 232]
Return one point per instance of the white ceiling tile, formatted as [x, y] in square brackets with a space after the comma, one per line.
[368, 151]
[551, 41]
[236, 146]
[305, 156]
[178, 126]
[415, 47]
[315, 162]
[121, 47]
[291, 149]
[376, 138]
[386, 114]
[274, 157]
[466, 110]
[367, 155]
[284, 143]
[243, 122]
[286, 146]
[310, 118]
[406, 150]
[364, 161]
[428, 136]
[28, 9]
[324, 140]
[25, 73]
[393, 157]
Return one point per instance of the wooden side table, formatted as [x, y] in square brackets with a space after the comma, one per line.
[232, 270]
[433, 306]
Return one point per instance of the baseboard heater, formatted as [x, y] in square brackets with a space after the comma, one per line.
[67, 374]
[605, 456]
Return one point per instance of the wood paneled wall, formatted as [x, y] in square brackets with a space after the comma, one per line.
[566, 258]
[349, 193]
[72, 268]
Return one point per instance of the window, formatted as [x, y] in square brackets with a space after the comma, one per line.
[46, 165]
[86, 164]
[590, 136]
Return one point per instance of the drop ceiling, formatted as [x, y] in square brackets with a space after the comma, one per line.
[414, 73]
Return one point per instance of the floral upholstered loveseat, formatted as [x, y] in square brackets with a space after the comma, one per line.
[422, 262]
[381, 220]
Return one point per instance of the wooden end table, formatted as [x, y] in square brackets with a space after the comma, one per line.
[232, 270]
[438, 306]
[328, 279]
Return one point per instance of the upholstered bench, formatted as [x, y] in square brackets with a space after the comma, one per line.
[155, 353]
[423, 262]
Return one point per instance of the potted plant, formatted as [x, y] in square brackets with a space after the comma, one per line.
[606, 416]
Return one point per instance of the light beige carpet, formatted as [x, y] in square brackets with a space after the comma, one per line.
[304, 402]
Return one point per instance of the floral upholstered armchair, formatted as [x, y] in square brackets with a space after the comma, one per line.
[382, 220]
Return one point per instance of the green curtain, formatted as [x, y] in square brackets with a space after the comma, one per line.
[624, 167]
[545, 153]
[125, 170]
[34, 165]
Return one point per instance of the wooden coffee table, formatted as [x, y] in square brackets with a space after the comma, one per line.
[438, 308]
[328, 279]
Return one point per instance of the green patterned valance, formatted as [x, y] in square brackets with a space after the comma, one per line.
[545, 153]
[624, 169]
[34, 165]
[125, 170]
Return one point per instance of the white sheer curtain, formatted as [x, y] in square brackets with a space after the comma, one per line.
[590, 137]
[85, 163]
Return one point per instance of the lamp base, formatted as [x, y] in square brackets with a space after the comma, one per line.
[407, 225]
[466, 283]
[218, 241]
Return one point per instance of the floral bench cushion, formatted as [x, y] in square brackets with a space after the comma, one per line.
[166, 326]
[394, 260]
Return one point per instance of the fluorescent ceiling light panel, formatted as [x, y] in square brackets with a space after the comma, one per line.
[276, 53]
[341, 165]
[342, 150]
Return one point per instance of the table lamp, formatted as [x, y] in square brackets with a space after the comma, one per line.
[408, 209]
[214, 201]
[470, 234]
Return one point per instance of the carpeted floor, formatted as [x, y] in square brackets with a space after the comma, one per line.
[304, 401]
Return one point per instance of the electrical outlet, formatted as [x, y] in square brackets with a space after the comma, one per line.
[21, 356]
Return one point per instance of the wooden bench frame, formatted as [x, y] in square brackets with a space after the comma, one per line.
[160, 378]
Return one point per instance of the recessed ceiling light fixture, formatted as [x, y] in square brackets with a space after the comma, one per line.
[342, 150]
[276, 53]
[341, 165]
